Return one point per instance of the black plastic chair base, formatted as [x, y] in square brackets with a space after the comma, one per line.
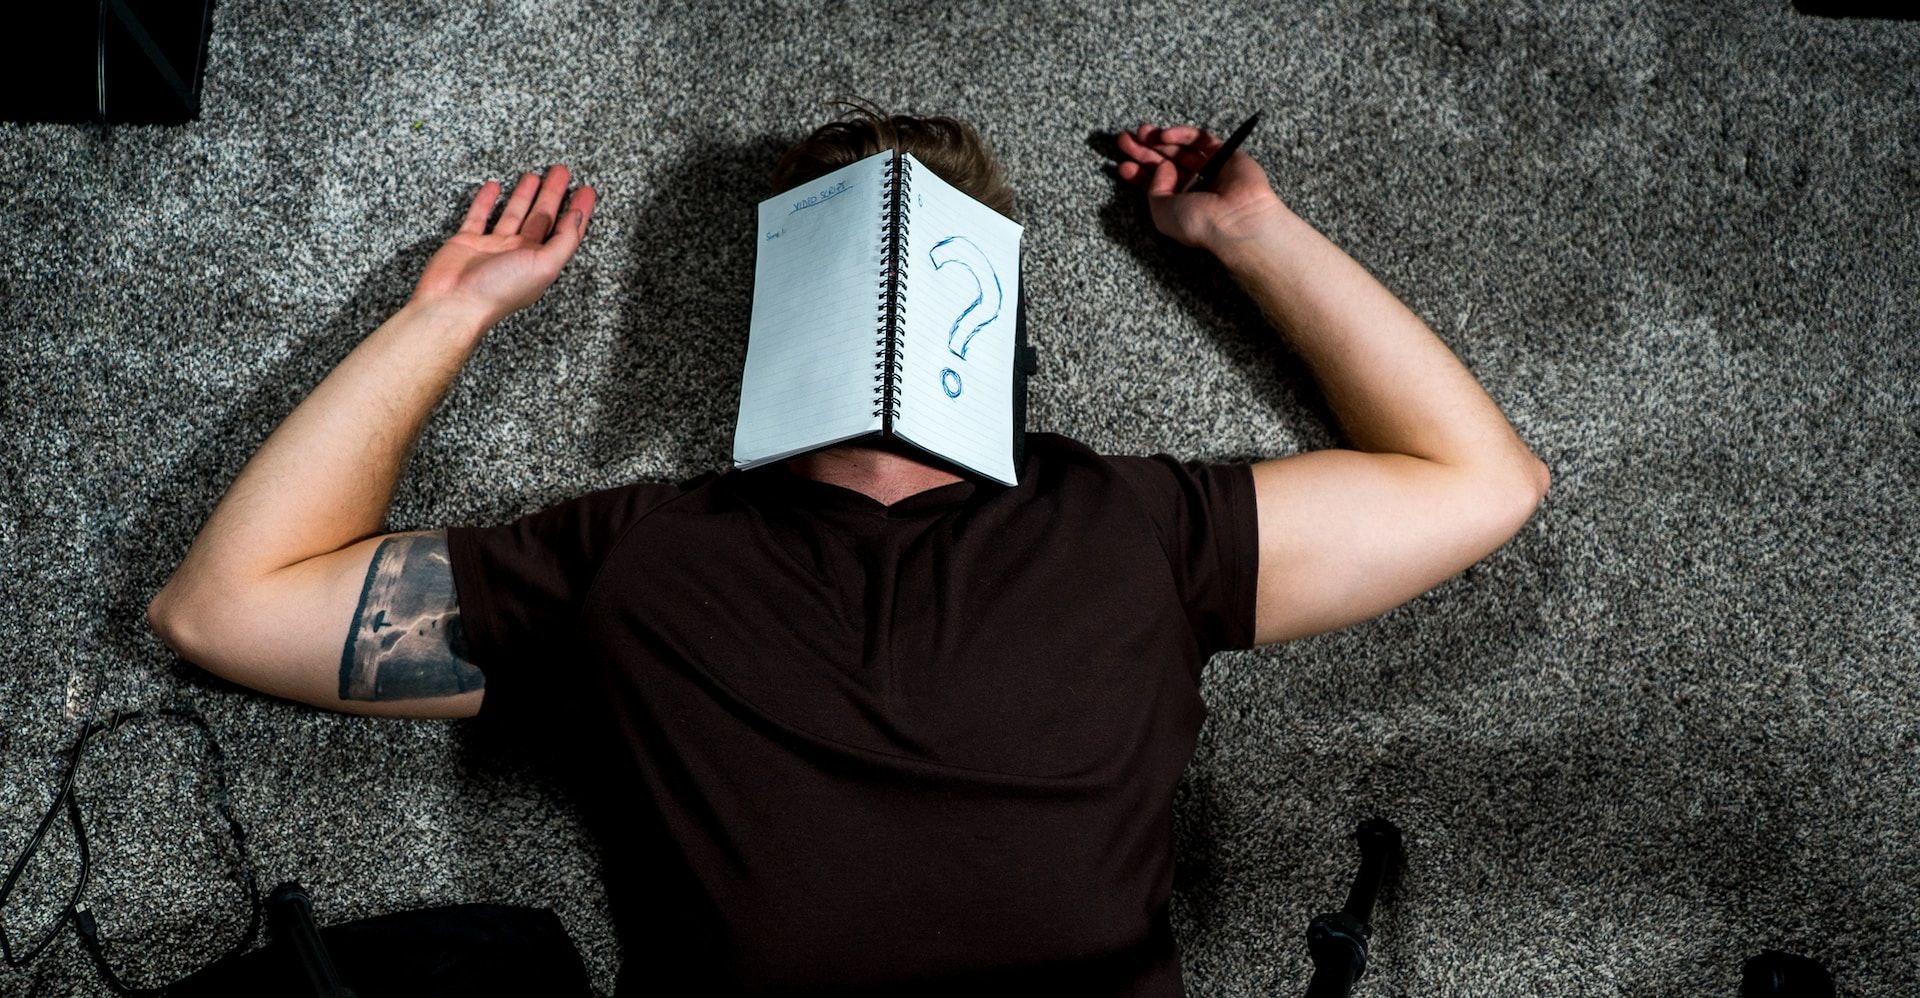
[1337, 940]
[1774, 974]
[1338, 944]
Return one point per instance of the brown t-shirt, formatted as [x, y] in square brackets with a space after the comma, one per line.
[830, 746]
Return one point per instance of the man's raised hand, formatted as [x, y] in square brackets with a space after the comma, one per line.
[494, 274]
[1161, 160]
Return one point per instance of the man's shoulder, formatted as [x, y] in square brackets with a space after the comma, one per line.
[1056, 461]
[626, 502]
[1158, 479]
[1055, 444]
[1059, 445]
[1055, 448]
[1049, 456]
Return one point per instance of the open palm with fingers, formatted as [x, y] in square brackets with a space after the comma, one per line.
[498, 273]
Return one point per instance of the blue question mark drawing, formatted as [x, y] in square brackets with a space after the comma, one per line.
[961, 250]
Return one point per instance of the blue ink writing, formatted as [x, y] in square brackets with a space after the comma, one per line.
[838, 188]
[775, 234]
[962, 251]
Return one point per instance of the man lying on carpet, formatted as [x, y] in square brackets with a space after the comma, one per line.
[853, 722]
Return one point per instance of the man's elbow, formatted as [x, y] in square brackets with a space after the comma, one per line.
[1541, 479]
[1530, 491]
[156, 622]
[163, 619]
[1521, 474]
[1527, 495]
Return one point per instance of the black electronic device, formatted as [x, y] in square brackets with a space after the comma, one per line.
[135, 62]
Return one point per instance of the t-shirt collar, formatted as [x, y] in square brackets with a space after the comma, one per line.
[815, 494]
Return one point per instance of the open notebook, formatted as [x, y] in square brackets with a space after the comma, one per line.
[885, 302]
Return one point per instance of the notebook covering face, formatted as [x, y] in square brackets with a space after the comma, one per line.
[844, 344]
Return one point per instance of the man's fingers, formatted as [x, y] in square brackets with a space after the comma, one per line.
[1164, 144]
[1148, 155]
[1138, 174]
[476, 221]
[517, 204]
[1187, 135]
[571, 228]
[540, 217]
[1135, 148]
[1186, 145]
[1166, 179]
[1200, 138]
[583, 201]
[1186, 157]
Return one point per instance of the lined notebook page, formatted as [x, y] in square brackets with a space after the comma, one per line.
[809, 377]
[963, 295]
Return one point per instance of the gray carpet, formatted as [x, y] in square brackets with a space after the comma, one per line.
[1669, 725]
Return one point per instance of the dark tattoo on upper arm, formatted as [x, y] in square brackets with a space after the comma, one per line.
[406, 639]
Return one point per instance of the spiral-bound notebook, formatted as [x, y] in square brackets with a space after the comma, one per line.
[886, 302]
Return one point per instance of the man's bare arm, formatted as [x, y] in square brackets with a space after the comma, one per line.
[1394, 386]
[374, 628]
[324, 478]
[1436, 478]
[406, 639]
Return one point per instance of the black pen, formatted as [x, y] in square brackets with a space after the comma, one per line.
[1218, 161]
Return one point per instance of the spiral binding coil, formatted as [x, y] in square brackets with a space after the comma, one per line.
[892, 308]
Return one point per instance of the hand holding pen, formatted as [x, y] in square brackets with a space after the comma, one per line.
[1192, 209]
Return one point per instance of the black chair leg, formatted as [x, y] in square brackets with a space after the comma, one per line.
[290, 912]
[1774, 974]
[1337, 940]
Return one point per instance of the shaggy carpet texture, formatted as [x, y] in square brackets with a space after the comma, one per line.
[1672, 723]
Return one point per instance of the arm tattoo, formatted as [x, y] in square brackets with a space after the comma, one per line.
[406, 640]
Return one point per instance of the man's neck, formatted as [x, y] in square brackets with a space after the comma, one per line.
[882, 475]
